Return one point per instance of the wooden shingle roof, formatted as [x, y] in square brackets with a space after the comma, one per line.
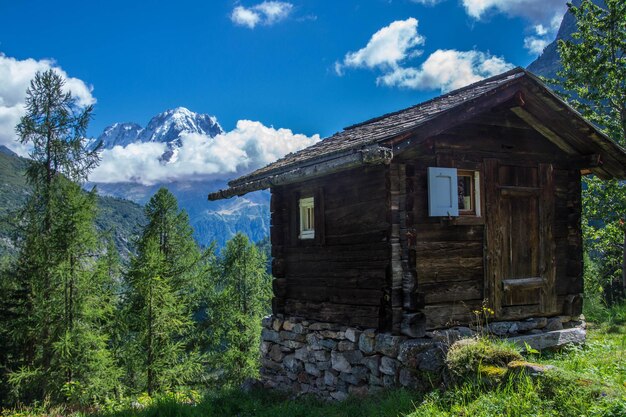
[381, 128]
[369, 141]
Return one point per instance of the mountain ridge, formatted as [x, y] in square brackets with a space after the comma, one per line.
[165, 127]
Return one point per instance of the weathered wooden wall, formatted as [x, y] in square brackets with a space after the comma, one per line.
[447, 256]
[378, 259]
[341, 276]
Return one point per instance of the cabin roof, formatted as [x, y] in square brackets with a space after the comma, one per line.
[392, 131]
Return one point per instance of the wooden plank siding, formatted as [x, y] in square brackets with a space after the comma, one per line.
[342, 277]
[380, 261]
[450, 257]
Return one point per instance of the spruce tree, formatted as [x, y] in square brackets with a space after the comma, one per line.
[241, 299]
[163, 282]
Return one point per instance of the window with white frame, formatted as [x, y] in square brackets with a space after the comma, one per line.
[307, 218]
[453, 192]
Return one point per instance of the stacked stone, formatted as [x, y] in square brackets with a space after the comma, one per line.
[334, 361]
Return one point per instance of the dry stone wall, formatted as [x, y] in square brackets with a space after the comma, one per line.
[334, 361]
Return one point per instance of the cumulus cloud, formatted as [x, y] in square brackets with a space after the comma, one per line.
[447, 70]
[535, 45]
[249, 146]
[391, 48]
[533, 10]
[266, 13]
[544, 15]
[387, 47]
[15, 77]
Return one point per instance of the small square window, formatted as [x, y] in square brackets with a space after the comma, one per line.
[468, 192]
[307, 218]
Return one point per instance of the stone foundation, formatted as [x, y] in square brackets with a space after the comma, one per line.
[333, 361]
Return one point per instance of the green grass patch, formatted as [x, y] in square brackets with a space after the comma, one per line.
[590, 381]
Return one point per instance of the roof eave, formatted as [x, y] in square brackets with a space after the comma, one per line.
[371, 155]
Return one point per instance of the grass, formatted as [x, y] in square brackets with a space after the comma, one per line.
[590, 381]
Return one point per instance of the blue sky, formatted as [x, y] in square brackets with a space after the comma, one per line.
[303, 64]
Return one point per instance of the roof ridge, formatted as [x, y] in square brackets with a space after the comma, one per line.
[438, 98]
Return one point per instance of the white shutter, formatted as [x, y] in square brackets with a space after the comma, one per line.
[443, 198]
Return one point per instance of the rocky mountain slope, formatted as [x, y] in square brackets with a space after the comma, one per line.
[212, 221]
[548, 64]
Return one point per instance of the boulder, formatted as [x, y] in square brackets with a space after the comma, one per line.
[330, 378]
[268, 335]
[276, 324]
[389, 366]
[409, 350]
[339, 395]
[311, 369]
[328, 344]
[302, 354]
[320, 355]
[554, 323]
[339, 362]
[352, 334]
[553, 339]
[432, 360]
[276, 354]
[388, 344]
[367, 341]
[372, 363]
[292, 364]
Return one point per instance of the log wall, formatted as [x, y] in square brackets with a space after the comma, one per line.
[379, 261]
[342, 275]
[447, 256]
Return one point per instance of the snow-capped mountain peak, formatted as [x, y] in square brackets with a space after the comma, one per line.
[166, 127]
[169, 125]
[120, 134]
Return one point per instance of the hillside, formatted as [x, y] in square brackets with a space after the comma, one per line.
[123, 217]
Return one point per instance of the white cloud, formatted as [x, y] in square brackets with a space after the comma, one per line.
[446, 70]
[15, 77]
[533, 10]
[535, 45]
[545, 15]
[249, 146]
[541, 30]
[266, 13]
[387, 47]
[245, 17]
[390, 49]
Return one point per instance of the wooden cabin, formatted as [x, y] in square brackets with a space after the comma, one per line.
[410, 221]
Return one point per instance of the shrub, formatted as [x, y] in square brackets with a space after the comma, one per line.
[468, 359]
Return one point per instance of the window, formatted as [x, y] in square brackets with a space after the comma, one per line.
[307, 218]
[453, 192]
[469, 192]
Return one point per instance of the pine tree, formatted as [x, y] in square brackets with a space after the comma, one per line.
[163, 282]
[594, 79]
[241, 299]
[57, 327]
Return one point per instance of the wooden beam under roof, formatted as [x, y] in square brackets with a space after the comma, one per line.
[542, 128]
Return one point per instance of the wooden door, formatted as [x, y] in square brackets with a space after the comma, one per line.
[520, 265]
